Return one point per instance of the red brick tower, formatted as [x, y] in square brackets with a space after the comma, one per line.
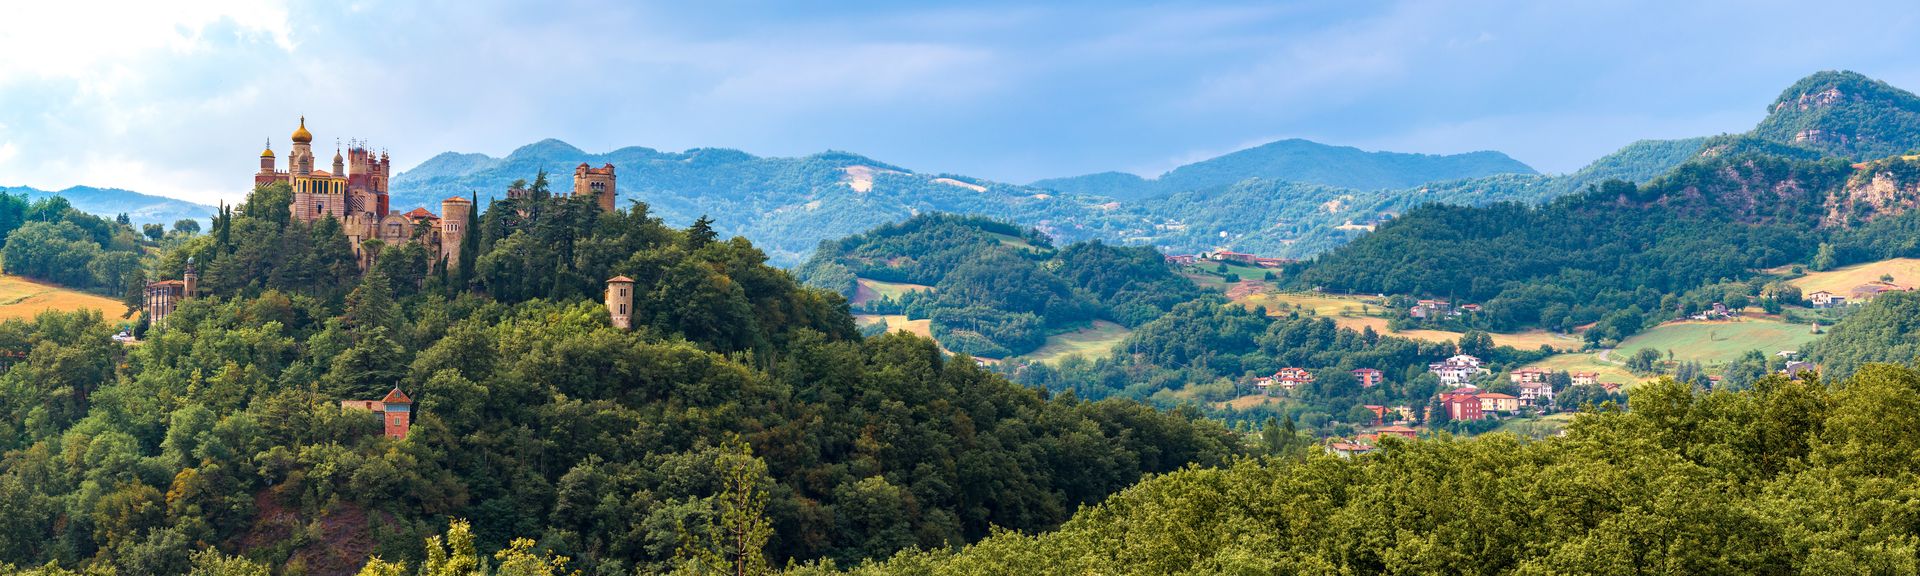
[397, 409]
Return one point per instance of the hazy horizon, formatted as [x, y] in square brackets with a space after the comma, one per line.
[178, 101]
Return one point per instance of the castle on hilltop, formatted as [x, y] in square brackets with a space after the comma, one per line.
[355, 194]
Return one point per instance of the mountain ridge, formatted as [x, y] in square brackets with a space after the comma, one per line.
[1296, 160]
[109, 202]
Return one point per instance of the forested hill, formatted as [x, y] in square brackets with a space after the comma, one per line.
[1846, 114]
[785, 205]
[742, 415]
[110, 202]
[1291, 219]
[992, 288]
[1791, 477]
[1299, 161]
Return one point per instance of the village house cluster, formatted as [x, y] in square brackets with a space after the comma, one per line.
[1434, 309]
[1858, 295]
[1228, 257]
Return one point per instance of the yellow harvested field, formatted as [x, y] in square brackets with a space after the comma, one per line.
[1321, 304]
[898, 322]
[23, 298]
[1905, 272]
[1348, 312]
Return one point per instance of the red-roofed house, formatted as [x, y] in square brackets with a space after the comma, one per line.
[1585, 378]
[1369, 377]
[396, 411]
[1401, 431]
[1348, 449]
[1379, 413]
[1524, 375]
[1462, 404]
[1536, 393]
[1497, 402]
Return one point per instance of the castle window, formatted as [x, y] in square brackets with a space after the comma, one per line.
[623, 308]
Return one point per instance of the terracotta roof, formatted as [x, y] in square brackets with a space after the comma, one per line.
[1395, 429]
[1496, 396]
[419, 213]
[458, 199]
[619, 279]
[396, 397]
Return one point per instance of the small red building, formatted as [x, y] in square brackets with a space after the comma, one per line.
[1369, 377]
[395, 410]
[1462, 404]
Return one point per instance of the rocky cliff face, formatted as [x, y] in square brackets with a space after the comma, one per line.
[1877, 190]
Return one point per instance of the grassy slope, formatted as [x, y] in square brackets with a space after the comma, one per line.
[1905, 271]
[1715, 343]
[867, 289]
[1091, 342]
[1347, 312]
[23, 298]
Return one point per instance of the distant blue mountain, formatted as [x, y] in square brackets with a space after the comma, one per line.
[109, 202]
[1297, 161]
[787, 206]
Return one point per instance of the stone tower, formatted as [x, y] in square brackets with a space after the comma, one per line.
[454, 213]
[190, 280]
[266, 160]
[620, 301]
[596, 182]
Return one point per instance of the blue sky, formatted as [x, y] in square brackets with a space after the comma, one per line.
[177, 100]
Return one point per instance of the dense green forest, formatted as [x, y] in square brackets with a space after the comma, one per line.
[998, 289]
[742, 417]
[1887, 329]
[1615, 254]
[1791, 477]
[1846, 114]
[47, 239]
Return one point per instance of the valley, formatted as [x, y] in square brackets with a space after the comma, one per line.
[606, 288]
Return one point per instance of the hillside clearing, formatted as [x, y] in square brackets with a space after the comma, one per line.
[1092, 342]
[1716, 343]
[1589, 362]
[23, 298]
[1905, 272]
[866, 289]
[1350, 312]
[897, 322]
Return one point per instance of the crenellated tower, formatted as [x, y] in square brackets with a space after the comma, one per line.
[596, 182]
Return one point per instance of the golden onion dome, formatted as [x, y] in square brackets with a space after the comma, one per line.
[301, 135]
[268, 153]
